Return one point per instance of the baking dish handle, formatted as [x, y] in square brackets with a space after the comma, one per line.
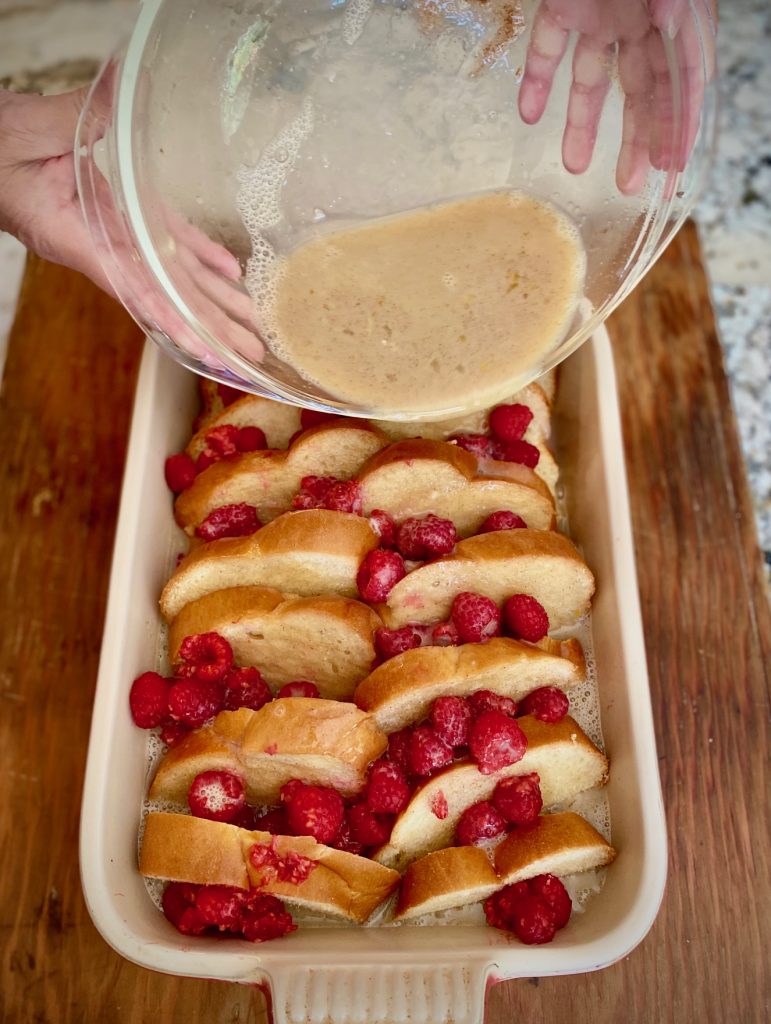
[380, 994]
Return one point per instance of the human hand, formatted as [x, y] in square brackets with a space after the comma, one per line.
[632, 30]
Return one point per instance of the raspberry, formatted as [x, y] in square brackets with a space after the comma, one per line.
[218, 796]
[390, 642]
[264, 859]
[179, 471]
[428, 751]
[378, 574]
[445, 634]
[479, 822]
[533, 921]
[439, 806]
[289, 789]
[245, 688]
[274, 866]
[274, 821]
[179, 906]
[509, 422]
[399, 746]
[205, 459]
[519, 799]
[486, 700]
[516, 451]
[228, 394]
[313, 491]
[195, 701]
[525, 618]
[495, 741]
[315, 811]
[499, 908]
[301, 688]
[384, 527]
[222, 441]
[502, 520]
[239, 520]
[547, 703]
[149, 700]
[344, 839]
[251, 439]
[551, 889]
[476, 617]
[426, 537]
[312, 417]
[205, 655]
[265, 917]
[387, 791]
[367, 828]
[172, 732]
[221, 906]
[477, 444]
[344, 496]
[451, 718]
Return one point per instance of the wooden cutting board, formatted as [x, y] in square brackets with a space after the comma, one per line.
[64, 416]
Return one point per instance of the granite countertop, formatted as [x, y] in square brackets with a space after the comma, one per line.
[51, 44]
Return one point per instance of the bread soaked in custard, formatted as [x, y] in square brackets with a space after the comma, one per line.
[437, 308]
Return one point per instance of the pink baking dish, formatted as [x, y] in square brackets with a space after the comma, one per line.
[425, 975]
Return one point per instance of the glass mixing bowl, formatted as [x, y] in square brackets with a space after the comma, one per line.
[225, 135]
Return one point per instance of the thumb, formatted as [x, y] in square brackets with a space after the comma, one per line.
[40, 127]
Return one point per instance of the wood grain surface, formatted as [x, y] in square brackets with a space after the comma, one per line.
[64, 416]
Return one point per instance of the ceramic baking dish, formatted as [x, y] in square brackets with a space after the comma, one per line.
[432, 974]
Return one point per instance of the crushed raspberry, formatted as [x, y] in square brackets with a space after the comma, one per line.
[207, 656]
[499, 908]
[551, 889]
[149, 700]
[195, 701]
[179, 471]
[547, 703]
[519, 798]
[445, 634]
[387, 791]
[264, 859]
[265, 917]
[479, 822]
[315, 811]
[502, 520]
[312, 417]
[509, 422]
[294, 868]
[300, 688]
[476, 617]
[428, 751]
[221, 906]
[439, 806]
[245, 688]
[367, 828]
[251, 439]
[399, 747]
[390, 642]
[179, 906]
[222, 441]
[495, 741]
[426, 537]
[384, 527]
[451, 718]
[525, 618]
[344, 839]
[229, 394]
[516, 451]
[173, 732]
[477, 444]
[216, 795]
[378, 574]
[486, 700]
[239, 520]
[344, 496]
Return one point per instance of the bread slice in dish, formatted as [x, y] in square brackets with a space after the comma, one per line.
[277, 420]
[320, 742]
[313, 551]
[181, 848]
[402, 689]
[541, 563]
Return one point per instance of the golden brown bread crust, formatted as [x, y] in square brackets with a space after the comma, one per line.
[181, 848]
[446, 878]
[526, 849]
[420, 448]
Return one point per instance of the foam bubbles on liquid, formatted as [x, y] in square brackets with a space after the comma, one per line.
[355, 18]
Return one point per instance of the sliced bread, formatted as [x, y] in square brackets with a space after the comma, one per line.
[277, 420]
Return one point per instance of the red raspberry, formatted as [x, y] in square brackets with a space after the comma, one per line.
[228, 394]
[426, 537]
[195, 701]
[445, 634]
[509, 422]
[384, 527]
[516, 451]
[399, 747]
[251, 439]
[344, 839]
[439, 806]
[179, 906]
[344, 496]
[387, 790]
[221, 906]
[551, 889]
[239, 520]
[367, 828]
[547, 703]
[265, 917]
[499, 908]
[300, 688]
[205, 459]
[451, 718]
[205, 655]
[216, 795]
[479, 822]
[495, 741]
[315, 811]
[519, 799]
[533, 921]
[294, 867]
[486, 700]
[525, 618]
[312, 417]
[476, 617]
[289, 789]
[245, 688]
[502, 520]
[313, 491]
[172, 732]
[390, 642]
[222, 441]
[149, 700]
[378, 574]
[428, 751]
[477, 444]
[179, 471]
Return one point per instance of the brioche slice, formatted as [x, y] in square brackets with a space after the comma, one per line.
[181, 848]
[269, 480]
[402, 689]
[313, 551]
[327, 639]
[558, 844]
[541, 563]
[415, 477]
[277, 420]
[567, 763]
[320, 742]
